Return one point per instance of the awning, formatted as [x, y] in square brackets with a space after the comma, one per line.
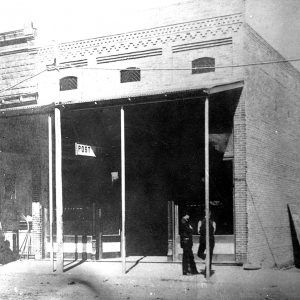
[155, 96]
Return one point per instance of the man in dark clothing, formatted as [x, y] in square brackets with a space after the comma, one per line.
[186, 242]
[202, 240]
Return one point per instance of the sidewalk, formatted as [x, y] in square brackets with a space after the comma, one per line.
[104, 280]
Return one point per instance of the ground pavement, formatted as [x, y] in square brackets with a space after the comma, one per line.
[30, 279]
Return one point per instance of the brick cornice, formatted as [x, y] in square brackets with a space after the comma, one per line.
[222, 26]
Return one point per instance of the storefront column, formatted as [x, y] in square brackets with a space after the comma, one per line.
[50, 189]
[58, 188]
[176, 237]
[123, 236]
[207, 261]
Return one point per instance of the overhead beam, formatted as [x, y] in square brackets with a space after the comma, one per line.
[224, 87]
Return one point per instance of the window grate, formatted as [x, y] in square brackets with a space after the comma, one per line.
[130, 75]
[203, 65]
[68, 83]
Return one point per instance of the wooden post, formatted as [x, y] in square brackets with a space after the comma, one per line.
[94, 219]
[123, 237]
[100, 245]
[176, 231]
[50, 190]
[99, 232]
[170, 232]
[174, 257]
[94, 231]
[207, 262]
[59, 199]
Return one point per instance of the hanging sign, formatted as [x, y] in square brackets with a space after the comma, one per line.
[85, 150]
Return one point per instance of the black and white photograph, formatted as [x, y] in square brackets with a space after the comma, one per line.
[150, 149]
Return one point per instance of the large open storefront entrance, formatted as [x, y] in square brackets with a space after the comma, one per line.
[165, 173]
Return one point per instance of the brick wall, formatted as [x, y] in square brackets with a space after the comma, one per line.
[17, 62]
[240, 196]
[272, 152]
[37, 230]
[97, 62]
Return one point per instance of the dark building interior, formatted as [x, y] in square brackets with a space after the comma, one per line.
[23, 138]
[164, 148]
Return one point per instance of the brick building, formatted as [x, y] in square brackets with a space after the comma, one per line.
[160, 78]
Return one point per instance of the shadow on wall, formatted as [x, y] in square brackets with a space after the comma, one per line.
[6, 254]
[295, 242]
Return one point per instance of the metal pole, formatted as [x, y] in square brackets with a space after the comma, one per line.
[50, 190]
[59, 198]
[207, 261]
[123, 239]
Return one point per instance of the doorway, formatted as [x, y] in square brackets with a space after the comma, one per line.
[164, 148]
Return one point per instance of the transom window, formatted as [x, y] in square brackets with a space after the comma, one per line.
[130, 75]
[68, 83]
[203, 65]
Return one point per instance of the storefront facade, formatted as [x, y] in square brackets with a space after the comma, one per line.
[112, 143]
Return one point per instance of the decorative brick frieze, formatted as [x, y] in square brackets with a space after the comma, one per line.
[189, 31]
[130, 55]
[201, 45]
[72, 64]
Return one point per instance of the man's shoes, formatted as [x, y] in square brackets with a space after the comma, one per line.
[191, 273]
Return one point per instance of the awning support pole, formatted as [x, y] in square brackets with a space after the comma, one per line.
[207, 261]
[50, 190]
[123, 238]
[58, 188]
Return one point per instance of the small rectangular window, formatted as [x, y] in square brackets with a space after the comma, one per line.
[203, 65]
[68, 83]
[130, 75]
